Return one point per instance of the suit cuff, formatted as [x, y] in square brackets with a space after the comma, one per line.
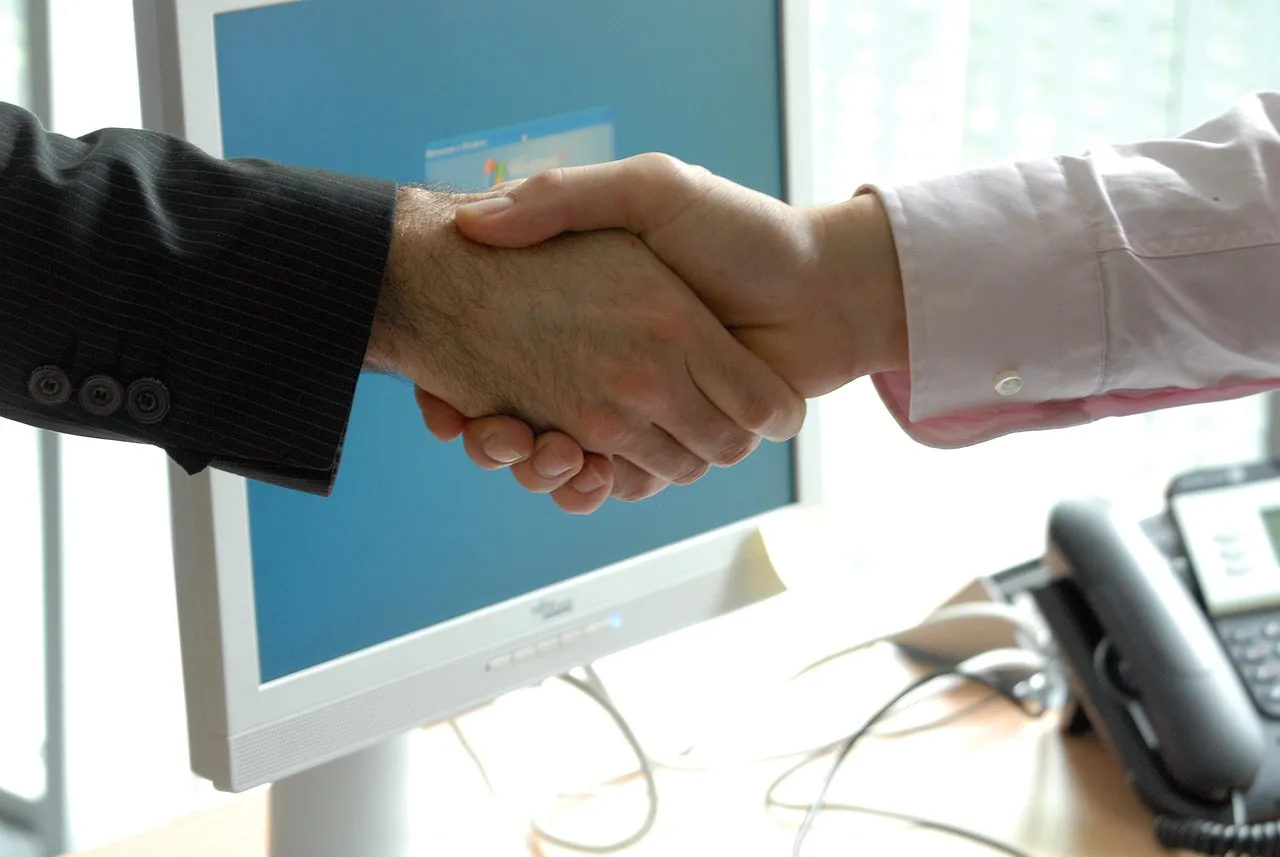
[306, 326]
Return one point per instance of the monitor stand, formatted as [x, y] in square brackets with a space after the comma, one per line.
[358, 804]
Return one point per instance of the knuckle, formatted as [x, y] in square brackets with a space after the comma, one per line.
[736, 447]
[761, 413]
[546, 182]
[632, 383]
[669, 170]
[675, 463]
[608, 433]
[637, 488]
[660, 165]
[642, 386]
[692, 474]
[671, 173]
[628, 493]
[659, 183]
[531, 482]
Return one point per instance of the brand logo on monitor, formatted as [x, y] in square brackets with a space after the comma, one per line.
[551, 608]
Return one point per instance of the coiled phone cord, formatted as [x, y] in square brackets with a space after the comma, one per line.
[1219, 840]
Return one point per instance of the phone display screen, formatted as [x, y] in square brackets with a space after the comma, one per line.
[1238, 568]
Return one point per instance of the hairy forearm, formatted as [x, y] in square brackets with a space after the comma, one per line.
[425, 252]
[433, 293]
[392, 322]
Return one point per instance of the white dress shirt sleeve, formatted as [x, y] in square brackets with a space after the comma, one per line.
[1054, 292]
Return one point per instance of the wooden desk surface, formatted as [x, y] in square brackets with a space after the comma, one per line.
[992, 770]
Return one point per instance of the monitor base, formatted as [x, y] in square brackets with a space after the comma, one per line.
[358, 804]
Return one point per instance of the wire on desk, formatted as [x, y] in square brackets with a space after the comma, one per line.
[949, 717]
[1030, 628]
[843, 748]
[594, 688]
[682, 762]
[471, 754]
[916, 820]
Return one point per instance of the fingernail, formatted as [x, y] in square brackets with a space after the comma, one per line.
[587, 481]
[487, 207]
[495, 448]
[550, 466]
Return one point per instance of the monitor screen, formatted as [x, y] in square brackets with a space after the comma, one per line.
[467, 94]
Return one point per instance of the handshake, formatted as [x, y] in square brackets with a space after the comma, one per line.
[612, 329]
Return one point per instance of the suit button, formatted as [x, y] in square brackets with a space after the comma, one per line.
[147, 400]
[101, 395]
[49, 385]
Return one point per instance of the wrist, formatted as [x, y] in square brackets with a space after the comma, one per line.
[418, 238]
[385, 349]
[859, 275]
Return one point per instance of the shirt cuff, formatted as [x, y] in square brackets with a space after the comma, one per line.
[1003, 297]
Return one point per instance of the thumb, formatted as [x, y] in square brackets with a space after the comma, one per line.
[633, 194]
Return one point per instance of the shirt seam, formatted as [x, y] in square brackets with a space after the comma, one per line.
[1097, 280]
[903, 245]
[1172, 248]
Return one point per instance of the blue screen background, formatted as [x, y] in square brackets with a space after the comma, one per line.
[414, 534]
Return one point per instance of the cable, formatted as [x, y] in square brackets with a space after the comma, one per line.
[1207, 837]
[916, 820]
[950, 717]
[594, 688]
[680, 764]
[471, 754]
[592, 685]
[844, 747]
[842, 750]
[591, 677]
[1031, 628]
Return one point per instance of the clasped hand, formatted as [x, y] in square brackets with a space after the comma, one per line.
[811, 296]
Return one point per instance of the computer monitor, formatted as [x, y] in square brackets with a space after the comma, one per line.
[316, 631]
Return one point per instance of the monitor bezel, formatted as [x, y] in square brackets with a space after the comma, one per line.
[244, 732]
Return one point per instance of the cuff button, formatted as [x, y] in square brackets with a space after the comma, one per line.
[101, 395]
[147, 400]
[49, 386]
[1008, 383]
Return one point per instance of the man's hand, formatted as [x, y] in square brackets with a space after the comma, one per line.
[553, 462]
[815, 292]
[587, 334]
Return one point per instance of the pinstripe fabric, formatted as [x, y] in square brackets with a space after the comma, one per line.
[248, 288]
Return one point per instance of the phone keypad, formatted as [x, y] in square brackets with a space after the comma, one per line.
[1254, 646]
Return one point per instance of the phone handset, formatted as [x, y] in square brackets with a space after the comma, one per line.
[1209, 736]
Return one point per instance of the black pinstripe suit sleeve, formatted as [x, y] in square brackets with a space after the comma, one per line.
[247, 288]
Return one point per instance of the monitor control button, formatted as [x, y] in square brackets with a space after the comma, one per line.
[499, 662]
[524, 653]
[568, 638]
[548, 645]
